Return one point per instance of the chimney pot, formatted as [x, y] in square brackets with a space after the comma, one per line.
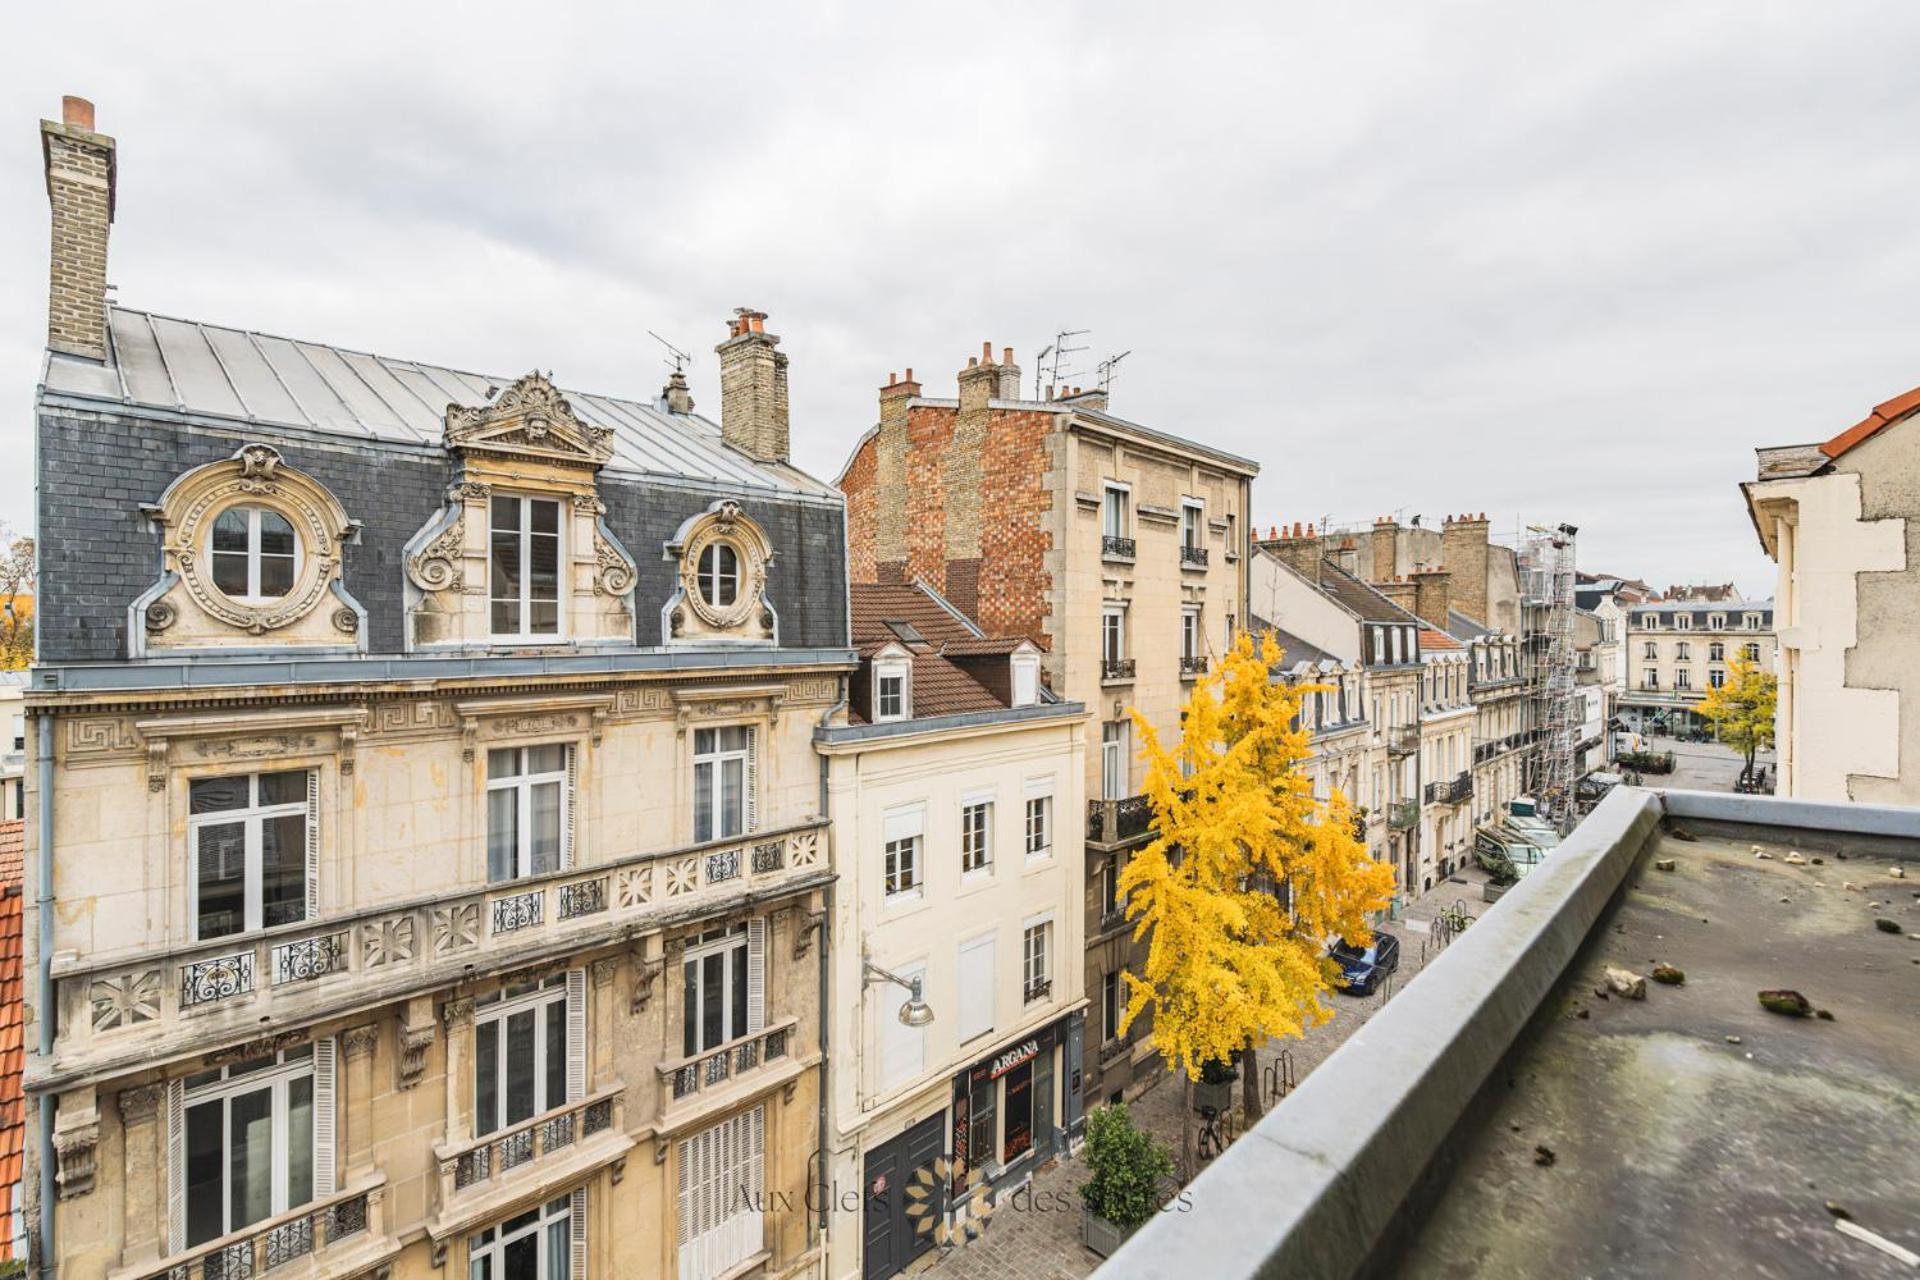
[889, 379]
[909, 373]
[973, 362]
[1006, 355]
[986, 352]
[76, 113]
[753, 389]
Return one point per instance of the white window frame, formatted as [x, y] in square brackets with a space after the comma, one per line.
[1038, 825]
[744, 947]
[183, 1097]
[1116, 497]
[1750, 622]
[1113, 633]
[1026, 679]
[707, 582]
[722, 1187]
[1652, 680]
[1112, 997]
[903, 862]
[547, 999]
[1036, 961]
[1114, 774]
[525, 783]
[1683, 621]
[884, 670]
[976, 836]
[716, 760]
[1716, 679]
[1193, 523]
[525, 601]
[253, 818]
[1682, 678]
[1716, 622]
[558, 1220]
[1750, 651]
[1191, 636]
[252, 553]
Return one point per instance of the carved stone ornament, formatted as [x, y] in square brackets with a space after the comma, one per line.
[724, 522]
[361, 1041]
[75, 1146]
[438, 565]
[140, 1103]
[529, 419]
[254, 476]
[613, 572]
[414, 1043]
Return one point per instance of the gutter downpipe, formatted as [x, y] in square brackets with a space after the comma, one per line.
[43, 909]
[823, 1210]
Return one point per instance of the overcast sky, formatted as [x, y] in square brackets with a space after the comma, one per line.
[1554, 262]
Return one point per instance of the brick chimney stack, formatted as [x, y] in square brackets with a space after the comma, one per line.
[1008, 386]
[1463, 552]
[80, 187]
[1384, 544]
[1297, 548]
[979, 381]
[753, 389]
[1431, 596]
[678, 398]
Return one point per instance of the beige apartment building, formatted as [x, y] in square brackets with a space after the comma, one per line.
[1676, 652]
[956, 787]
[428, 854]
[1118, 548]
[1841, 520]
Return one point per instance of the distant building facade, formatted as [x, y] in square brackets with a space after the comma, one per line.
[1676, 652]
[1841, 520]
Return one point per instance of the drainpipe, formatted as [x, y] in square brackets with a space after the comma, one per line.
[43, 910]
[823, 1210]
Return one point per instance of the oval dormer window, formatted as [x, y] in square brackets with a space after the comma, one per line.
[255, 555]
[719, 575]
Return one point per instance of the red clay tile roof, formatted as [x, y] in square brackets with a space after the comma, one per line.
[940, 687]
[1883, 415]
[13, 1105]
[13, 851]
[875, 604]
[1437, 640]
[980, 646]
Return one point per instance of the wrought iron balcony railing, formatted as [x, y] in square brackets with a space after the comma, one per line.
[1195, 665]
[683, 1078]
[1403, 739]
[491, 1157]
[1115, 821]
[1192, 557]
[320, 1235]
[1039, 989]
[1116, 668]
[1113, 548]
[1403, 814]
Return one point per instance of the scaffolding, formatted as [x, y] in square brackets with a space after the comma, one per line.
[1548, 558]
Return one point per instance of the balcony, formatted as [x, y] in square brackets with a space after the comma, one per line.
[1403, 815]
[1192, 557]
[534, 1159]
[342, 1235]
[1115, 670]
[1111, 822]
[1115, 548]
[1403, 739]
[300, 971]
[1458, 791]
[752, 1056]
[1039, 989]
[1192, 668]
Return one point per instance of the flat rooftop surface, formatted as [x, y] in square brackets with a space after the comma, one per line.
[1675, 1150]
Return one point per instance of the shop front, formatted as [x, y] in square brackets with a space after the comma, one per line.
[1014, 1109]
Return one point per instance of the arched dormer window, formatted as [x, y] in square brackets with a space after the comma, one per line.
[254, 553]
[723, 556]
[719, 575]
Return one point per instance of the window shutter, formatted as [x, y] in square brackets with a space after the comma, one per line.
[756, 974]
[976, 987]
[753, 779]
[325, 1158]
[176, 1165]
[576, 1034]
[570, 801]
[579, 1227]
[313, 844]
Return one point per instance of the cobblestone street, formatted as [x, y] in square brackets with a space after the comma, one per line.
[1035, 1232]
[1703, 766]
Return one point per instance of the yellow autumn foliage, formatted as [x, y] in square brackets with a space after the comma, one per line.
[1228, 963]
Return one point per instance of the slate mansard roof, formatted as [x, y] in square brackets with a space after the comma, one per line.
[176, 395]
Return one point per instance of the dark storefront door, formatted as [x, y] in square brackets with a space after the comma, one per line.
[895, 1237]
[1043, 1104]
[1019, 1113]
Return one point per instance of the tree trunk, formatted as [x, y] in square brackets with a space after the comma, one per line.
[1187, 1167]
[1250, 1084]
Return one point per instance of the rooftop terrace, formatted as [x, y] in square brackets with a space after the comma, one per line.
[1501, 1118]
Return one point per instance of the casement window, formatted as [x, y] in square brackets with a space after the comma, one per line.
[1751, 652]
[523, 568]
[1682, 678]
[1379, 645]
[1193, 517]
[1113, 760]
[722, 1191]
[1394, 640]
[1649, 621]
[890, 694]
[1683, 622]
[1684, 652]
[724, 977]
[1652, 651]
[977, 987]
[529, 1050]
[1110, 885]
[255, 844]
[1037, 961]
[1750, 621]
[1112, 1005]
[1190, 634]
[547, 1242]
[718, 574]
[1716, 622]
[1716, 652]
[1040, 825]
[254, 554]
[723, 782]
[976, 836]
[1716, 679]
[1113, 633]
[1651, 681]
[529, 811]
[1026, 679]
[901, 835]
[249, 1141]
[1115, 518]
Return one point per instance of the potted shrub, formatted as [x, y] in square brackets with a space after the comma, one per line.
[1502, 875]
[1123, 1193]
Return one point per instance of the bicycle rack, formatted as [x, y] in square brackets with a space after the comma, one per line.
[1278, 1076]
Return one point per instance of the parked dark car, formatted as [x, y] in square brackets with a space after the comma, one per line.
[1363, 969]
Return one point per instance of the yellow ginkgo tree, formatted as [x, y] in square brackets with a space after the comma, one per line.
[1249, 877]
[1742, 710]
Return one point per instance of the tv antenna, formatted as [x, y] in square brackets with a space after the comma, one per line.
[1107, 366]
[675, 356]
[1059, 351]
